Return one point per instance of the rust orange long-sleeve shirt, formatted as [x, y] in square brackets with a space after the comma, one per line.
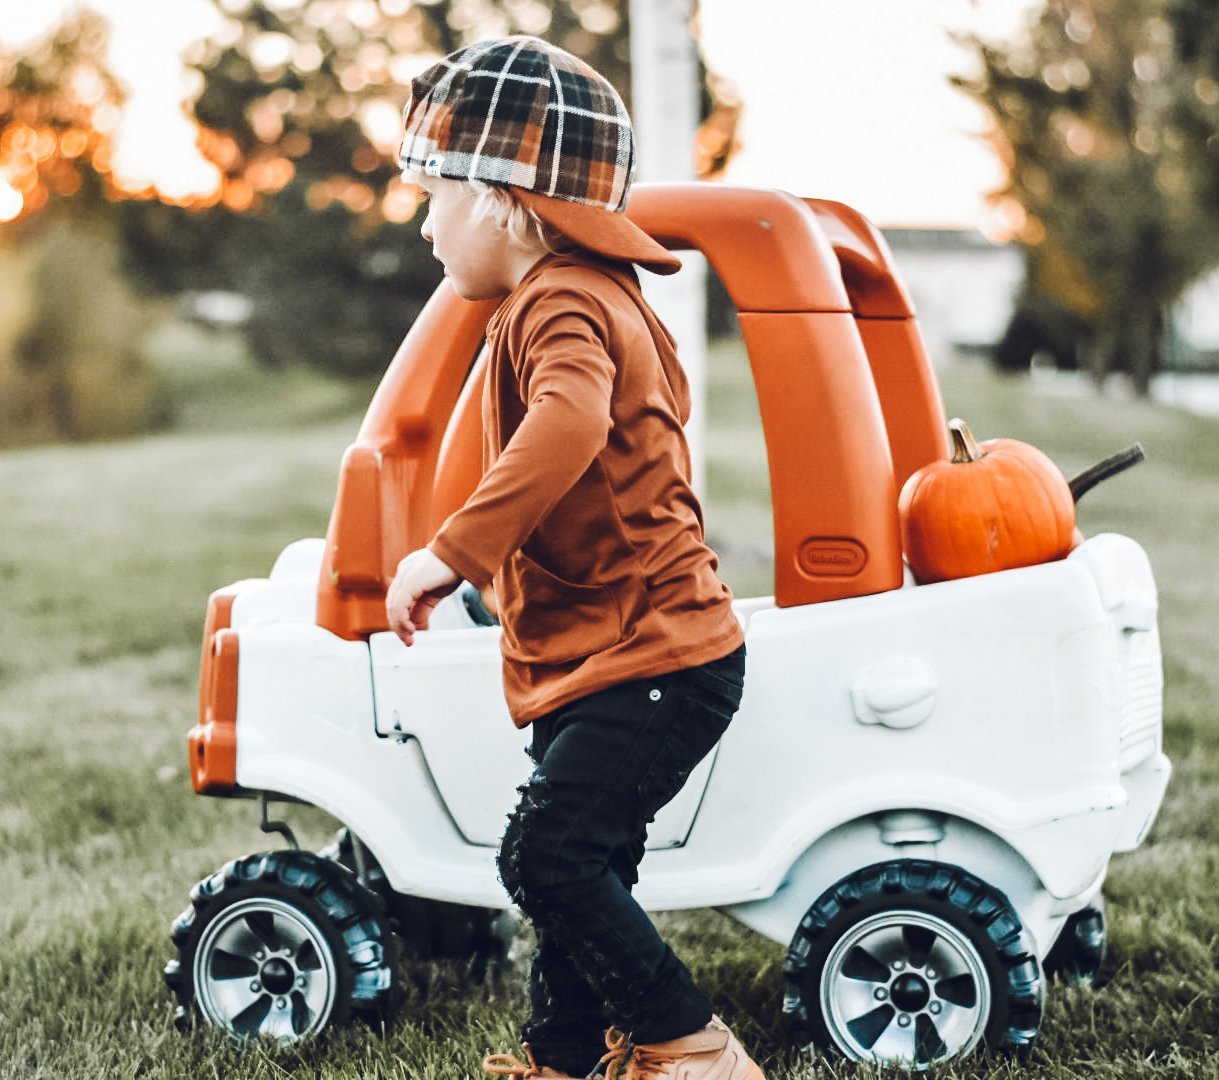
[584, 517]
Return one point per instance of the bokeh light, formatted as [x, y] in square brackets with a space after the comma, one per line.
[11, 201]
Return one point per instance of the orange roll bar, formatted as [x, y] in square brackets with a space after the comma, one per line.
[460, 465]
[831, 472]
[382, 508]
[884, 314]
[831, 479]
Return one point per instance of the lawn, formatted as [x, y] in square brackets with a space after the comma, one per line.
[106, 559]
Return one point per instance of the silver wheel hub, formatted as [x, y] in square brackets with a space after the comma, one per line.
[263, 967]
[907, 988]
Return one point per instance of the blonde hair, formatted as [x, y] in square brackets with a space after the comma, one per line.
[523, 226]
[496, 203]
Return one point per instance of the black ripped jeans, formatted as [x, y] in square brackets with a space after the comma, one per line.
[605, 764]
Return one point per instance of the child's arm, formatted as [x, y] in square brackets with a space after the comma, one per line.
[566, 379]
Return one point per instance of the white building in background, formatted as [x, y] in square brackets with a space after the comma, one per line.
[1197, 318]
[964, 289]
[963, 286]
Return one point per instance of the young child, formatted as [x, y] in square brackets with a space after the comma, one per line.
[620, 646]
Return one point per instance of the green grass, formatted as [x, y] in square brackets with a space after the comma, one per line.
[106, 559]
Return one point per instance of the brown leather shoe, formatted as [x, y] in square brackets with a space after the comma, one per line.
[710, 1054]
[515, 1069]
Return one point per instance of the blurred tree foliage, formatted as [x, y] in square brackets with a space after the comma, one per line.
[298, 105]
[300, 109]
[1107, 114]
[70, 326]
[59, 105]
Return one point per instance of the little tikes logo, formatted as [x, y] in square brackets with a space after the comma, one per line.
[831, 556]
[432, 166]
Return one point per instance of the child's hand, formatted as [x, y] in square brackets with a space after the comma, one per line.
[422, 581]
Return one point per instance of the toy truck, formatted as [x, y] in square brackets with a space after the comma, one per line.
[919, 797]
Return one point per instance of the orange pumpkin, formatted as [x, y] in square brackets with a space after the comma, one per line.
[994, 506]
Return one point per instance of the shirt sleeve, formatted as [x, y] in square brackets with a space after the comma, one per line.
[566, 379]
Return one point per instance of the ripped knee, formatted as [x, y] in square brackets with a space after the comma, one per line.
[518, 858]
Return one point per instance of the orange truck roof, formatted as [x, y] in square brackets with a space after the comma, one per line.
[847, 395]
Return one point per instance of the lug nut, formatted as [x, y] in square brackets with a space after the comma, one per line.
[281, 1002]
[899, 965]
[931, 973]
[300, 981]
[256, 986]
[934, 1008]
[880, 993]
[904, 1020]
[258, 955]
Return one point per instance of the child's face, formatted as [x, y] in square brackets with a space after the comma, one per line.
[477, 255]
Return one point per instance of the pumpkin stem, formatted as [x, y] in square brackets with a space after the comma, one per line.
[965, 447]
[1111, 466]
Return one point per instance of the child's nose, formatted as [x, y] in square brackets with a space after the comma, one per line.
[425, 230]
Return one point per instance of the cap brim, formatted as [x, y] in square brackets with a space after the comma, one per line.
[601, 231]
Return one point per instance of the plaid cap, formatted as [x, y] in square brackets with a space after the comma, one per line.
[521, 111]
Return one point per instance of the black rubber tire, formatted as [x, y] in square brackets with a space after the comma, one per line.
[341, 924]
[1078, 953]
[476, 937]
[984, 926]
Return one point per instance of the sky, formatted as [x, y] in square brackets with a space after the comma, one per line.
[850, 100]
[844, 99]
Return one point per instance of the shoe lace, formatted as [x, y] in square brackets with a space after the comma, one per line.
[509, 1065]
[619, 1053]
[627, 1061]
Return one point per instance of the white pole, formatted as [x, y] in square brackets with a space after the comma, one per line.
[664, 99]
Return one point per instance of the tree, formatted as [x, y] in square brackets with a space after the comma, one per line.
[59, 104]
[300, 110]
[1101, 110]
[70, 327]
